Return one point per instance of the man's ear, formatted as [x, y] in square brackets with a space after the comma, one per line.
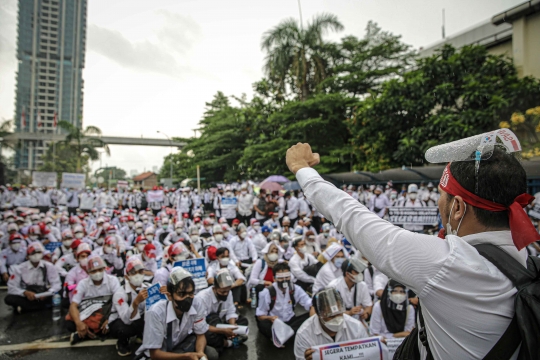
[459, 208]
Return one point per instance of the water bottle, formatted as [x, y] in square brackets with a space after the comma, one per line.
[253, 298]
[56, 302]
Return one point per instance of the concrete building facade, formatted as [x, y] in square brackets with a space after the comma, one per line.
[51, 46]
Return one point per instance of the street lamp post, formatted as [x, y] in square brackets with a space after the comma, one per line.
[170, 160]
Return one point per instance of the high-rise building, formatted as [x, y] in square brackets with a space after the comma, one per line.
[51, 45]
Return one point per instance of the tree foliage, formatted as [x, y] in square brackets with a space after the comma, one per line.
[61, 158]
[112, 173]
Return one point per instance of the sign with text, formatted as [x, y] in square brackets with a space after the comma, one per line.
[122, 185]
[535, 212]
[425, 215]
[197, 268]
[393, 344]
[52, 246]
[228, 202]
[154, 196]
[154, 296]
[74, 181]
[44, 179]
[365, 349]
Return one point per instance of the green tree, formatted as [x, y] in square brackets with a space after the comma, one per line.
[60, 158]
[184, 166]
[448, 96]
[112, 173]
[83, 144]
[298, 57]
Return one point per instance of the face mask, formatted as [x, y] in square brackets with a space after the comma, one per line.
[338, 262]
[34, 222]
[181, 257]
[100, 241]
[449, 230]
[97, 276]
[10, 220]
[145, 221]
[184, 305]
[194, 238]
[15, 247]
[335, 324]
[35, 258]
[303, 249]
[356, 278]
[272, 257]
[131, 223]
[149, 260]
[33, 237]
[79, 235]
[257, 227]
[283, 284]
[412, 196]
[242, 235]
[107, 249]
[221, 297]
[150, 237]
[218, 237]
[178, 231]
[285, 246]
[224, 261]
[140, 247]
[138, 231]
[67, 243]
[165, 227]
[226, 234]
[393, 196]
[136, 280]
[235, 227]
[244, 192]
[398, 298]
[83, 262]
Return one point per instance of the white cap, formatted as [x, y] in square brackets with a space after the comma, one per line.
[413, 188]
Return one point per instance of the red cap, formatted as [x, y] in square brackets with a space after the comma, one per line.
[236, 221]
[15, 237]
[140, 239]
[75, 244]
[211, 252]
[150, 251]
[186, 216]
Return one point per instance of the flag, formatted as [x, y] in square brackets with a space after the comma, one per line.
[39, 119]
[55, 119]
[23, 118]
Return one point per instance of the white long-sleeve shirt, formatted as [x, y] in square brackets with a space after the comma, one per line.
[297, 265]
[283, 306]
[26, 273]
[328, 272]
[243, 249]
[466, 301]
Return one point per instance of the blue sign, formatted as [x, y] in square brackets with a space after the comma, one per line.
[229, 202]
[197, 268]
[52, 246]
[154, 296]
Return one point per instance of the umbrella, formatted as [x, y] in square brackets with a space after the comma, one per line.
[277, 178]
[293, 185]
[270, 186]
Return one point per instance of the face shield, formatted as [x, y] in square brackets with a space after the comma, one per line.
[329, 304]
[223, 279]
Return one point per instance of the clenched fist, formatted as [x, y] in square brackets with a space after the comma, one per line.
[300, 156]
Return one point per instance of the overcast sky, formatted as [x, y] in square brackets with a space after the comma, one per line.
[152, 65]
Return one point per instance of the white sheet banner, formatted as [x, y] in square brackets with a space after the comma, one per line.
[424, 215]
[44, 179]
[154, 196]
[74, 181]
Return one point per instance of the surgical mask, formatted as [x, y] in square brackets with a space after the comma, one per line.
[33, 237]
[303, 249]
[100, 241]
[398, 298]
[79, 235]
[97, 276]
[335, 324]
[393, 196]
[165, 227]
[218, 237]
[67, 243]
[357, 278]
[326, 235]
[138, 231]
[224, 261]
[257, 227]
[194, 238]
[35, 258]
[150, 237]
[131, 223]
[338, 262]
[449, 230]
[272, 257]
[107, 249]
[83, 262]
[181, 257]
[413, 196]
[178, 231]
[184, 305]
[136, 280]
[226, 234]
[140, 247]
[149, 260]
[242, 235]
[15, 247]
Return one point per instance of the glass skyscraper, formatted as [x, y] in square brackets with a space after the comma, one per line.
[51, 46]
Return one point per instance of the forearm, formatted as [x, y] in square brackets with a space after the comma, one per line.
[74, 312]
[200, 344]
[158, 354]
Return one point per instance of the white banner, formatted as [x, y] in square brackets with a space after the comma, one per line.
[424, 215]
[74, 181]
[154, 196]
[122, 184]
[44, 179]
[393, 344]
[365, 349]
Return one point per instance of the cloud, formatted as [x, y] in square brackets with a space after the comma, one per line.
[179, 32]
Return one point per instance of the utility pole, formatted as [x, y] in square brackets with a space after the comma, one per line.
[443, 24]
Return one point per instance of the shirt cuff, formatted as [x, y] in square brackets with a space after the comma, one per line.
[304, 174]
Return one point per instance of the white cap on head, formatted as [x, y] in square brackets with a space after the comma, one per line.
[413, 188]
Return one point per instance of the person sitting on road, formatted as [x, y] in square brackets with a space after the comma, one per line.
[31, 278]
[238, 290]
[218, 307]
[299, 261]
[176, 325]
[335, 256]
[13, 255]
[331, 324]
[77, 273]
[278, 301]
[261, 274]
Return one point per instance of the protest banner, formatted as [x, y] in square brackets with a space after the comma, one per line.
[228, 202]
[73, 181]
[52, 246]
[535, 212]
[425, 215]
[365, 349]
[197, 268]
[393, 344]
[44, 179]
[154, 296]
[122, 185]
[154, 196]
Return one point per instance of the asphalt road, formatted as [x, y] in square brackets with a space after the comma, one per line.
[32, 332]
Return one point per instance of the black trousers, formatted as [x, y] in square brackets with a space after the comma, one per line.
[122, 332]
[265, 326]
[307, 287]
[239, 294]
[244, 219]
[27, 305]
[72, 210]
[217, 340]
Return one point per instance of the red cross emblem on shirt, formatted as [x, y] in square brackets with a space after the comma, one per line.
[120, 301]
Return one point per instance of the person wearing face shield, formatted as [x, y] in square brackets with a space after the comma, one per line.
[34, 276]
[218, 307]
[13, 255]
[278, 301]
[224, 262]
[393, 316]
[176, 325]
[335, 255]
[95, 290]
[331, 324]
[129, 304]
[353, 289]
[413, 200]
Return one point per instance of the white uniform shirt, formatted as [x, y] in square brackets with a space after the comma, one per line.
[123, 308]
[243, 249]
[362, 294]
[327, 273]
[297, 265]
[161, 314]
[9, 258]
[235, 272]
[377, 325]
[312, 334]
[86, 289]
[210, 304]
[292, 208]
[283, 306]
[245, 204]
[434, 269]
[26, 273]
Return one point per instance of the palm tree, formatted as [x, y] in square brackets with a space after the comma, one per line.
[298, 56]
[81, 141]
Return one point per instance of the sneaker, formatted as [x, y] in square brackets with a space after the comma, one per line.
[74, 338]
[242, 339]
[123, 348]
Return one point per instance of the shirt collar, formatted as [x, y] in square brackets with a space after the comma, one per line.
[502, 239]
[171, 315]
[320, 331]
[40, 265]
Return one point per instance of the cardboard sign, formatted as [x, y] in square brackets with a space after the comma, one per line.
[154, 296]
[52, 246]
[365, 349]
[154, 196]
[197, 268]
[535, 212]
[74, 181]
[393, 344]
[425, 215]
[44, 179]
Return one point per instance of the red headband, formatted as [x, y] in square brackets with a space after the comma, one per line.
[523, 231]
